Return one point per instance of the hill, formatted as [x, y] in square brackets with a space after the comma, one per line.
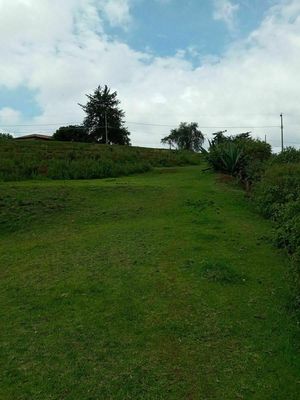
[158, 286]
[20, 160]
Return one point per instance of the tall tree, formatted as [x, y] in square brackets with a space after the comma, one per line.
[104, 119]
[185, 137]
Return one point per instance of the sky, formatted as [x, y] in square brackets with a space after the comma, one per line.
[225, 64]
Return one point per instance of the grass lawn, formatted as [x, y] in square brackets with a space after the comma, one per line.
[155, 286]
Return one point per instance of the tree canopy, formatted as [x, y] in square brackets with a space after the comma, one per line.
[72, 133]
[6, 136]
[102, 110]
[185, 137]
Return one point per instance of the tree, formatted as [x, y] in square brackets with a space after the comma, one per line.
[72, 133]
[6, 136]
[103, 112]
[185, 137]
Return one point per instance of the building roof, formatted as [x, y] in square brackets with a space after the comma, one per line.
[34, 136]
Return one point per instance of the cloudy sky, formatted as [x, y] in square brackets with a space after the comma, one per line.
[226, 64]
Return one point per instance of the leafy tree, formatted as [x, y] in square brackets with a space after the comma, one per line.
[5, 136]
[185, 137]
[103, 110]
[71, 133]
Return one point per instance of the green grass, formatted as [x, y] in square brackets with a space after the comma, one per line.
[155, 286]
[21, 160]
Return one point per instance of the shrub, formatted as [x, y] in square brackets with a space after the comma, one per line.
[287, 156]
[288, 227]
[279, 185]
[277, 196]
[239, 156]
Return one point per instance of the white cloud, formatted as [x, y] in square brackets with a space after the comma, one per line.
[60, 50]
[226, 11]
[117, 12]
[8, 116]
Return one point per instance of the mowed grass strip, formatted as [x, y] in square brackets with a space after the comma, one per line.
[154, 286]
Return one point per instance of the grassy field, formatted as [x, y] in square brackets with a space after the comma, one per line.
[21, 160]
[153, 287]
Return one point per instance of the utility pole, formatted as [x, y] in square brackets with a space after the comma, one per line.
[281, 119]
[106, 128]
[265, 138]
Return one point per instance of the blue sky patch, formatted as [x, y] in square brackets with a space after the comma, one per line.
[21, 99]
[163, 28]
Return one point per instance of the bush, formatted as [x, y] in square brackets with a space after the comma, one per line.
[277, 196]
[239, 156]
[287, 156]
[279, 185]
[288, 226]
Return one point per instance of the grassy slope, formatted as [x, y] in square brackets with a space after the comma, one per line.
[157, 286]
[21, 160]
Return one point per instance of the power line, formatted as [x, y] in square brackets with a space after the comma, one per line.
[147, 124]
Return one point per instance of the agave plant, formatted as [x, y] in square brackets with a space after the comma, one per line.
[231, 156]
[226, 157]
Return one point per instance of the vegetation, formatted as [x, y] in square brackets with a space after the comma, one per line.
[240, 155]
[102, 111]
[57, 160]
[287, 156]
[155, 286]
[277, 196]
[185, 137]
[276, 186]
[104, 121]
[72, 133]
[5, 136]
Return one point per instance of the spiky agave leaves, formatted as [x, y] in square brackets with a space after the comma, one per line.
[231, 156]
[225, 157]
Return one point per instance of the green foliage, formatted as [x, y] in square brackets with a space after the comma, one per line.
[58, 160]
[224, 157]
[72, 133]
[185, 137]
[288, 226]
[279, 185]
[277, 196]
[238, 155]
[5, 136]
[287, 156]
[103, 109]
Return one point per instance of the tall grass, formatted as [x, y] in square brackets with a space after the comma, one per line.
[64, 160]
